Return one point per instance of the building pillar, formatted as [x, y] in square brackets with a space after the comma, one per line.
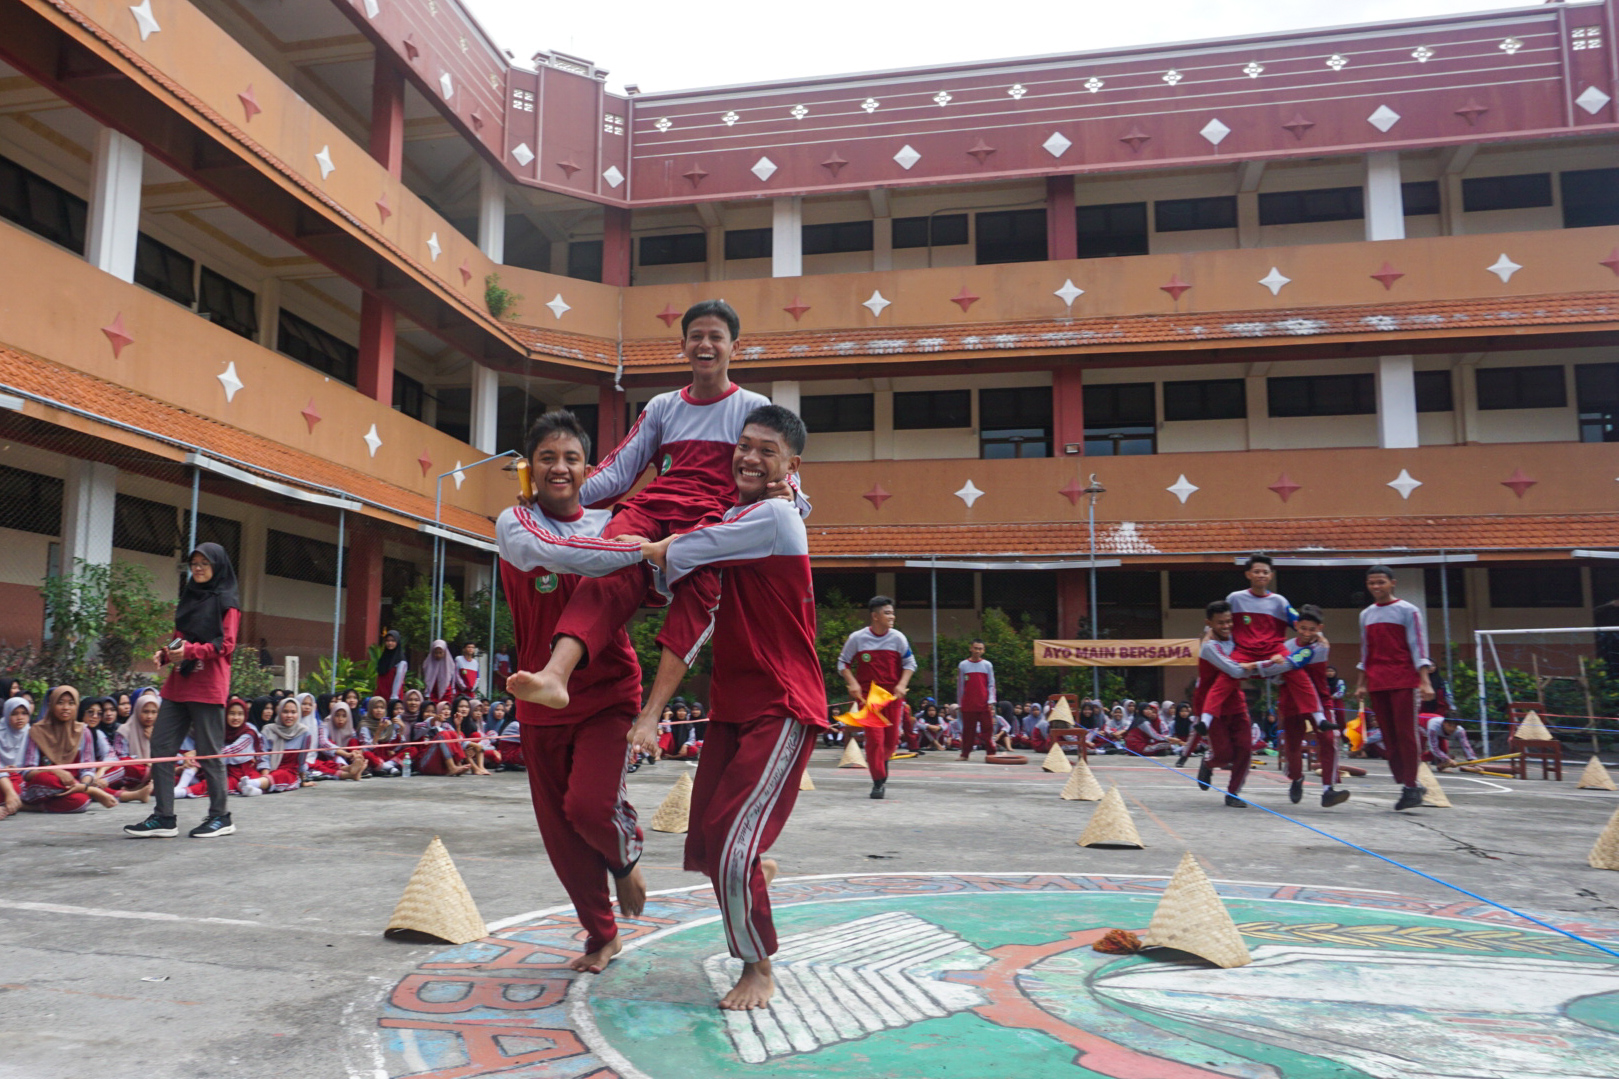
[1396, 402]
[375, 377]
[1073, 604]
[491, 213]
[616, 246]
[1385, 204]
[1068, 411]
[882, 243]
[362, 587]
[1249, 176]
[115, 204]
[609, 419]
[715, 236]
[882, 421]
[1062, 235]
[269, 311]
[388, 115]
[485, 407]
[88, 496]
[787, 237]
[785, 394]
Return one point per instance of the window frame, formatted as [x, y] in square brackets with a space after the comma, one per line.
[1026, 239]
[1205, 385]
[1204, 212]
[230, 290]
[1359, 389]
[1520, 191]
[851, 412]
[1112, 241]
[1508, 388]
[1312, 206]
[838, 237]
[933, 409]
[673, 249]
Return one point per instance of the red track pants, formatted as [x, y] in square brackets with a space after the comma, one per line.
[1231, 745]
[881, 742]
[1326, 750]
[1396, 711]
[977, 731]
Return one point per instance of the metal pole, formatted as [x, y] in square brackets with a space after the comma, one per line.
[441, 550]
[934, 572]
[1444, 601]
[1096, 672]
[337, 596]
[488, 677]
[1483, 712]
[196, 489]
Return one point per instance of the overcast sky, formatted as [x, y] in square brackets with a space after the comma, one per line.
[671, 46]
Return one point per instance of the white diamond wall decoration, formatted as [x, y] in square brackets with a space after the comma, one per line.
[942, 98]
[523, 154]
[1422, 54]
[1254, 69]
[1172, 77]
[145, 21]
[871, 105]
[434, 248]
[664, 123]
[446, 87]
[1093, 84]
[1383, 118]
[1275, 280]
[1215, 132]
[1404, 483]
[324, 160]
[907, 156]
[1592, 100]
[798, 112]
[1069, 293]
[1016, 91]
[558, 306]
[1510, 45]
[229, 379]
[1337, 61]
[730, 118]
[1057, 144]
[876, 304]
[969, 494]
[764, 168]
[613, 176]
[458, 476]
[1183, 488]
[1504, 268]
[373, 440]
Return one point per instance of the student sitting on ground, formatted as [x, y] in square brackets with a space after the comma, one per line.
[338, 758]
[13, 740]
[285, 741]
[57, 743]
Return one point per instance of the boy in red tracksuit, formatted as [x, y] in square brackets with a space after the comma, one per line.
[879, 655]
[1308, 651]
[1230, 733]
[1259, 627]
[769, 698]
[1394, 668]
[975, 694]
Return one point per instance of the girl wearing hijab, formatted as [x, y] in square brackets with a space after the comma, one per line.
[206, 621]
[335, 759]
[1144, 737]
[261, 712]
[56, 743]
[125, 708]
[510, 744]
[417, 721]
[385, 754]
[443, 755]
[244, 754]
[284, 740]
[13, 740]
[309, 710]
[90, 712]
[438, 673]
[392, 666]
[133, 741]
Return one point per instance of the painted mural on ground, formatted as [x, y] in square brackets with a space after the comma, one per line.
[985, 976]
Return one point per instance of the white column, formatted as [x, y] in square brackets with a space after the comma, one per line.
[115, 204]
[491, 213]
[88, 496]
[1385, 206]
[787, 237]
[1412, 588]
[1396, 403]
[785, 394]
[485, 407]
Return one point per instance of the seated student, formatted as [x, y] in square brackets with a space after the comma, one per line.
[930, 727]
[1002, 736]
[471, 736]
[1443, 735]
[341, 746]
[510, 743]
[1144, 736]
[13, 740]
[134, 742]
[1261, 744]
[443, 754]
[261, 712]
[1183, 721]
[495, 721]
[286, 742]
[57, 744]
[386, 754]
[242, 748]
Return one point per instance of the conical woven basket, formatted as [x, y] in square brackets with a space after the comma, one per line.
[1111, 825]
[1532, 729]
[436, 902]
[673, 814]
[805, 783]
[1605, 855]
[1433, 794]
[1056, 760]
[1191, 918]
[853, 755]
[1595, 777]
[1060, 715]
[1082, 785]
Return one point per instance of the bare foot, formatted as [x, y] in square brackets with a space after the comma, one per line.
[595, 962]
[631, 890]
[753, 990]
[539, 688]
[769, 868]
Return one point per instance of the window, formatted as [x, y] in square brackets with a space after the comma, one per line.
[585, 260]
[748, 243]
[1019, 593]
[1206, 399]
[1121, 420]
[1012, 236]
[1433, 391]
[398, 576]
[915, 589]
[1328, 587]
[1507, 192]
[940, 230]
[1596, 389]
[164, 270]
[1590, 197]
[1307, 207]
[41, 207]
[1522, 387]
[1421, 197]
[828, 413]
[1116, 229]
[30, 502]
[1188, 215]
[673, 250]
[933, 408]
[300, 558]
[837, 237]
[410, 397]
[228, 304]
[308, 343]
[221, 530]
[1454, 578]
[1322, 395]
[1014, 422]
[1192, 590]
[139, 524]
[1535, 586]
[1128, 604]
[854, 588]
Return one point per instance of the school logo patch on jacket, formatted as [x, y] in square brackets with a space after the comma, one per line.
[546, 582]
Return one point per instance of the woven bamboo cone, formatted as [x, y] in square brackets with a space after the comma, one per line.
[1191, 918]
[672, 815]
[1056, 760]
[805, 783]
[1433, 794]
[853, 755]
[1111, 825]
[1532, 729]
[1595, 777]
[1082, 785]
[1605, 855]
[1060, 713]
[436, 902]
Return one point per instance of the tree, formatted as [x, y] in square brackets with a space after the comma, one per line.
[413, 617]
[476, 612]
[644, 639]
[101, 617]
[833, 624]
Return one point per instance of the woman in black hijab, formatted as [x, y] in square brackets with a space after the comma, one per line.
[207, 620]
[392, 666]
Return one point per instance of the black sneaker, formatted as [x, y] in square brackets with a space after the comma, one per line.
[213, 826]
[1180, 762]
[1234, 802]
[1332, 796]
[1205, 773]
[1295, 791]
[877, 788]
[153, 827]
[1411, 797]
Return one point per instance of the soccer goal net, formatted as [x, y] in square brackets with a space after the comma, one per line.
[1569, 676]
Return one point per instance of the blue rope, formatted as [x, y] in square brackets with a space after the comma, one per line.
[1381, 857]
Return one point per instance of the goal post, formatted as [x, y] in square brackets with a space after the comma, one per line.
[1571, 672]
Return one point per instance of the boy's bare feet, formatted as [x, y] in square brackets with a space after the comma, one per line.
[753, 990]
[595, 962]
[631, 890]
[540, 687]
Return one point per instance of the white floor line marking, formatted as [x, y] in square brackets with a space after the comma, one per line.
[156, 916]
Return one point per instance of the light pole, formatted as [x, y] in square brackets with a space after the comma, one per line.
[440, 551]
[1094, 492]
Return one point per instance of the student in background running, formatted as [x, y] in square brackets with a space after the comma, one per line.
[879, 655]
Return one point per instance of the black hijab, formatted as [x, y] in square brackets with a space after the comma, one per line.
[200, 614]
[393, 655]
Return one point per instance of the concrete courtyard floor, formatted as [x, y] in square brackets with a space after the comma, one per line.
[262, 954]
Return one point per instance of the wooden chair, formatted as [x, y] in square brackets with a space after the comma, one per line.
[1075, 736]
[1549, 752]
